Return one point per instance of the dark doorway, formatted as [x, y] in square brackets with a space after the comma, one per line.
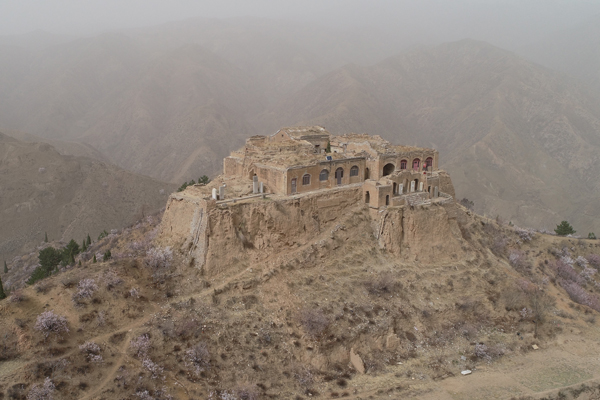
[339, 174]
[395, 188]
[367, 197]
[387, 199]
[388, 169]
[367, 173]
[294, 185]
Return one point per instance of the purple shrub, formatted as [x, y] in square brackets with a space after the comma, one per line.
[565, 271]
[44, 391]
[140, 345]
[85, 289]
[526, 235]
[48, 322]
[155, 370]
[91, 351]
[580, 295]
[159, 258]
[594, 260]
[198, 357]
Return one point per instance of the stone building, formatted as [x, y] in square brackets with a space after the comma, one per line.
[305, 159]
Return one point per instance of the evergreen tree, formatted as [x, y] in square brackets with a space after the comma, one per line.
[80, 263]
[106, 256]
[49, 259]
[564, 228]
[328, 148]
[89, 240]
[94, 260]
[591, 235]
[46, 237]
[2, 294]
[204, 180]
[5, 267]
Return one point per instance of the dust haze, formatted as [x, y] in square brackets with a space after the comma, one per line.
[507, 91]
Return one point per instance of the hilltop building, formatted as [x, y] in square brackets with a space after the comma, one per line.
[305, 159]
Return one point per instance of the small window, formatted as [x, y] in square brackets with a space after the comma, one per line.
[324, 175]
[306, 179]
[403, 164]
[354, 171]
[416, 163]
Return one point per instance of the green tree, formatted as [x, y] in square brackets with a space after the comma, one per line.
[46, 237]
[5, 267]
[182, 187]
[2, 294]
[106, 256]
[94, 260]
[328, 148]
[83, 246]
[591, 235]
[49, 259]
[89, 240]
[205, 180]
[564, 228]
[70, 252]
[102, 235]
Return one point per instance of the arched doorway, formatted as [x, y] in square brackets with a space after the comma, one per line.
[416, 185]
[387, 199]
[367, 176]
[339, 174]
[395, 188]
[388, 169]
[367, 197]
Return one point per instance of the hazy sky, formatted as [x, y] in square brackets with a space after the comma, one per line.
[459, 17]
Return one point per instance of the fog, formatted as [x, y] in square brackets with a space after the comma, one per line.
[505, 23]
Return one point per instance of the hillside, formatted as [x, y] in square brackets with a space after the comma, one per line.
[312, 302]
[574, 51]
[518, 139]
[66, 196]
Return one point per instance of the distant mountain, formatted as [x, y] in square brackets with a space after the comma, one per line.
[65, 196]
[518, 139]
[574, 51]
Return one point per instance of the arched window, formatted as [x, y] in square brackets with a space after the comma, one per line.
[429, 162]
[324, 175]
[416, 163]
[388, 169]
[403, 164]
[354, 171]
[367, 175]
[306, 179]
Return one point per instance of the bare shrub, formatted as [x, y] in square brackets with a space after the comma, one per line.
[16, 296]
[385, 283]
[134, 293]
[518, 261]
[141, 345]
[111, 279]
[42, 391]
[159, 258]
[247, 393]
[85, 289]
[198, 357]
[488, 353]
[314, 322]
[155, 370]
[91, 351]
[498, 246]
[48, 322]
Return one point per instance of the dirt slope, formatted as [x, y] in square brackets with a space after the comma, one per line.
[307, 319]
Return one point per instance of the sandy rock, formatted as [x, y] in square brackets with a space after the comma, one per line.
[357, 362]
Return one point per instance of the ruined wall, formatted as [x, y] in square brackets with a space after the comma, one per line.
[446, 185]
